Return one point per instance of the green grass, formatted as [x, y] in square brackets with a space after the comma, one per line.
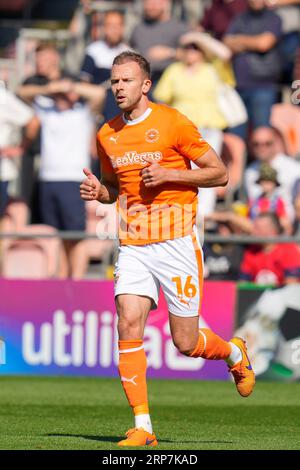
[92, 413]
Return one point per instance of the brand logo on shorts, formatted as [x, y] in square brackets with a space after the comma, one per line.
[152, 135]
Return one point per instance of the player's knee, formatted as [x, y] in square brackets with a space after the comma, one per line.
[184, 346]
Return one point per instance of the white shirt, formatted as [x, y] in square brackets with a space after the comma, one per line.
[65, 140]
[103, 54]
[14, 114]
[288, 172]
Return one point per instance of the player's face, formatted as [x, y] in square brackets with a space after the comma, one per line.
[129, 84]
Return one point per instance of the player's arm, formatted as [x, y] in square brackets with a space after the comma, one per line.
[212, 172]
[105, 191]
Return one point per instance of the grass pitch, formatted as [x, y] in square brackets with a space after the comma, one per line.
[92, 413]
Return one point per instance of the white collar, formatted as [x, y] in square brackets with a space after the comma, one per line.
[139, 119]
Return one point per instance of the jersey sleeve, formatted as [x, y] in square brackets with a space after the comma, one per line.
[190, 142]
[106, 166]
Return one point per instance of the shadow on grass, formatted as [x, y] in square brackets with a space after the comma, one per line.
[114, 439]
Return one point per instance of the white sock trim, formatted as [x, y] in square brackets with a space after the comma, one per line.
[205, 340]
[235, 356]
[143, 421]
[122, 351]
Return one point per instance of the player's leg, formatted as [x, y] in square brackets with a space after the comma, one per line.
[203, 342]
[182, 281]
[136, 292]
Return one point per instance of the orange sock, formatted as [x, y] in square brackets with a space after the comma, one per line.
[132, 370]
[211, 346]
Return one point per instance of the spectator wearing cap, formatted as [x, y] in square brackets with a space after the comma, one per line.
[253, 38]
[156, 37]
[264, 149]
[269, 199]
[270, 263]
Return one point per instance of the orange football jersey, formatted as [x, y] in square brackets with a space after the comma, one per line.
[150, 215]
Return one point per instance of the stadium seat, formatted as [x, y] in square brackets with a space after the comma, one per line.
[234, 157]
[286, 118]
[32, 258]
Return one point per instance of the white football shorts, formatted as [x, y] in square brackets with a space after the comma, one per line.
[175, 266]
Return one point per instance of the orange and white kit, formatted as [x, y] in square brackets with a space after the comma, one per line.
[175, 266]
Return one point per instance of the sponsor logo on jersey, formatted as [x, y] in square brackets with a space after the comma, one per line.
[134, 158]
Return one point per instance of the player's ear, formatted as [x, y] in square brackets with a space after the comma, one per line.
[147, 85]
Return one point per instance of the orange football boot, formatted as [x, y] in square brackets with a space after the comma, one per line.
[137, 437]
[242, 371]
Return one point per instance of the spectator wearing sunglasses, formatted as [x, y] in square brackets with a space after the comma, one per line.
[265, 149]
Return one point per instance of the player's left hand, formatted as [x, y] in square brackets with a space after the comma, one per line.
[154, 174]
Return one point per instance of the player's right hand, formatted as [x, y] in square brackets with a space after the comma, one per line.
[90, 186]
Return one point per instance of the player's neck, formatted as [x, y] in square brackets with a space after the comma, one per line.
[138, 111]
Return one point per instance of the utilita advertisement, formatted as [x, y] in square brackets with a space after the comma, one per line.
[69, 328]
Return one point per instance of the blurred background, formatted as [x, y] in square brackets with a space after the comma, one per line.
[233, 67]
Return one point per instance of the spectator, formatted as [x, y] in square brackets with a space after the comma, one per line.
[269, 199]
[270, 263]
[157, 36]
[64, 108]
[219, 14]
[100, 54]
[191, 85]
[66, 131]
[14, 114]
[289, 12]
[47, 70]
[264, 150]
[253, 38]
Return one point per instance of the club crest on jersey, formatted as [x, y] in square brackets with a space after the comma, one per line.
[152, 135]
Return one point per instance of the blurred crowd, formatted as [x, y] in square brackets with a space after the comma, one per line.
[229, 65]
